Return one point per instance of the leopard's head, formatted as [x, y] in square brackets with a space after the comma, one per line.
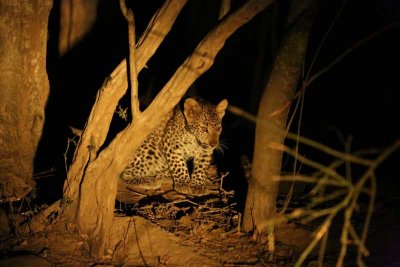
[204, 120]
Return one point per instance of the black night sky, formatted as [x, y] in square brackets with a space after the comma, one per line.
[359, 96]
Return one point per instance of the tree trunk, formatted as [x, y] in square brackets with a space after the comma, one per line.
[24, 89]
[77, 18]
[271, 125]
[92, 180]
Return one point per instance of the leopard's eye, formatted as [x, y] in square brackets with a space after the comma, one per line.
[204, 129]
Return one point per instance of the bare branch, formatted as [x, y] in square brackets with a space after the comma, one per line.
[224, 9]
[128, 14]
[361, 251]
[345, 156]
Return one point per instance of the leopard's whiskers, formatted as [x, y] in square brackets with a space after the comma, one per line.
[222, 147]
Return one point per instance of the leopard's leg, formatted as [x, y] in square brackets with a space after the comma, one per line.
[180, 175]
[199, 176]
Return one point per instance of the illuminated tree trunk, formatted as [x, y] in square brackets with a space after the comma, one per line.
[24, 89]
[271, 125]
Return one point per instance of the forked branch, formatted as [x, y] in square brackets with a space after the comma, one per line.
[113, 89]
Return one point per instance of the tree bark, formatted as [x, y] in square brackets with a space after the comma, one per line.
[92, 180]
[24, 90]
[271, 125]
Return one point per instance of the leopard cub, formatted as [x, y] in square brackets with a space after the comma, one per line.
[180, 149]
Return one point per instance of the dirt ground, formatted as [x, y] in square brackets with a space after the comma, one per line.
[176, 231]
[166, 230]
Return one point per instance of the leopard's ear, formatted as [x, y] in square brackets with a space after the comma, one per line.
[191, 109]
[221, 107]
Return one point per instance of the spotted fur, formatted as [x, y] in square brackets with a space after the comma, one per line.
[188, 136]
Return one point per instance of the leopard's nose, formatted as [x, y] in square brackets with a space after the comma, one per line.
[213, 140]
[214, 143]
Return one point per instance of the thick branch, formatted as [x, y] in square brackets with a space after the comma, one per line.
[113, 89]
[202, 58]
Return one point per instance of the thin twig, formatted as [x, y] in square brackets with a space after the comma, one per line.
[371, 205]
[320, 200]
[322, 249]
[128, 14]
[357, 241]
[348, 203]
[309, 179]
[324, 38]
[312, 163]
[344, 234]
[337, 164]
[323, 228]
[320, 233]
[343, 55]
[314, 144]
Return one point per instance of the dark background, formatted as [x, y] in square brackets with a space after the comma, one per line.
[358, 97]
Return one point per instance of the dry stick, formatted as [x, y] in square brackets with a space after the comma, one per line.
[319, 200]
[244, 114]
[295, 214]
[322, 250]
[332, 212]
[336, 164]
[314, 214]
[128, 14]
[347, 227]
[353, 194]
[328, 150]
[322, 181]
[289, 195]
[308, 179]
[324, 38]
[299, 102]
[345, 232]
[357, 190]
[364, 233]
[323, 228]
[357, 241]
[312, 163]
